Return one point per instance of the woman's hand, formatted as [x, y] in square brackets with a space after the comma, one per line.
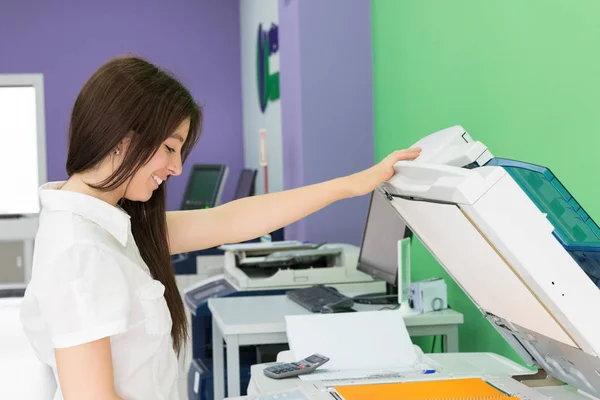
[366, 181]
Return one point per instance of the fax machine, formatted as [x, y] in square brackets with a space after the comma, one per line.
[524, 251]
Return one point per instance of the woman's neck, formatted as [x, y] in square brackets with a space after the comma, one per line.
[79, 183]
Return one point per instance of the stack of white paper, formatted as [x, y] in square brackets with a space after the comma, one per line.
[360, 344]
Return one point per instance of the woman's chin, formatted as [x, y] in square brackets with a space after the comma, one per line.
[140, 196]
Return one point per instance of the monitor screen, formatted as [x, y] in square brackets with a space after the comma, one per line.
[20, 160]
[245, 186]
[204, 186]
[383, 229]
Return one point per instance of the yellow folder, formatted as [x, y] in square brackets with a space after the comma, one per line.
[452, 389]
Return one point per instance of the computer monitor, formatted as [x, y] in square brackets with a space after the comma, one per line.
[204, 186]
[245, 185]
[23, 138]
[378, 256]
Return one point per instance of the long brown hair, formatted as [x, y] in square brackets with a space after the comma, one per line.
[131, 96]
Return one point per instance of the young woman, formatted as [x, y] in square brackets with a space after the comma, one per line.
[102, 308]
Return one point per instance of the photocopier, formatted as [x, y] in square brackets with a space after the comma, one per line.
[265, 268]
[525, 252]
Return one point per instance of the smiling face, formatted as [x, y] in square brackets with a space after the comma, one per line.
[165, 162]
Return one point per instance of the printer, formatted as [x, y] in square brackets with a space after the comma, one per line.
[525, 252]
[281, 265]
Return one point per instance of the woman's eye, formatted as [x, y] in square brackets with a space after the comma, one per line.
[170, 149]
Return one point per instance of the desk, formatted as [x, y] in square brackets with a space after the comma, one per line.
[260, 320]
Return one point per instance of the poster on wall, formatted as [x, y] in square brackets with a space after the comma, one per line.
[267, 44]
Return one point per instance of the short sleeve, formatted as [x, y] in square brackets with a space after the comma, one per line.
[85, 296]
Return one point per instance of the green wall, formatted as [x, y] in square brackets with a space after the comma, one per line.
[523, 77]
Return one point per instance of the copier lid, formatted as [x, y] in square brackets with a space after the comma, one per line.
[517, 243]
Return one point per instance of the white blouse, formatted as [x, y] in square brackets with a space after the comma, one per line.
[90, 282]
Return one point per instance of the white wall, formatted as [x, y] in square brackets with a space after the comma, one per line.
[253, 13]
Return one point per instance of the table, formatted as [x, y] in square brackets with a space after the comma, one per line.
[258, 320]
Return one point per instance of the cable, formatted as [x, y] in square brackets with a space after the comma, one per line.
[437, 304]
[362, 299]
[390, 308]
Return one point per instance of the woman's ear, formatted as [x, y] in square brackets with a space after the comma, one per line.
[124, 143]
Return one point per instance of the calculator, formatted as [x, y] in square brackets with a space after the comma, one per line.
[288, 370]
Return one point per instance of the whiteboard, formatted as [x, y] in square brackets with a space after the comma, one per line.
[22, 139]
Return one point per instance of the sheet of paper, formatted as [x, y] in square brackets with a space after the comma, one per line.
[261, 245]
[345, 376]
[424, 366]
[361, 341]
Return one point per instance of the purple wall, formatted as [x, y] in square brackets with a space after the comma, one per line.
[291, 105]
[327, 107]
[198, 40]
